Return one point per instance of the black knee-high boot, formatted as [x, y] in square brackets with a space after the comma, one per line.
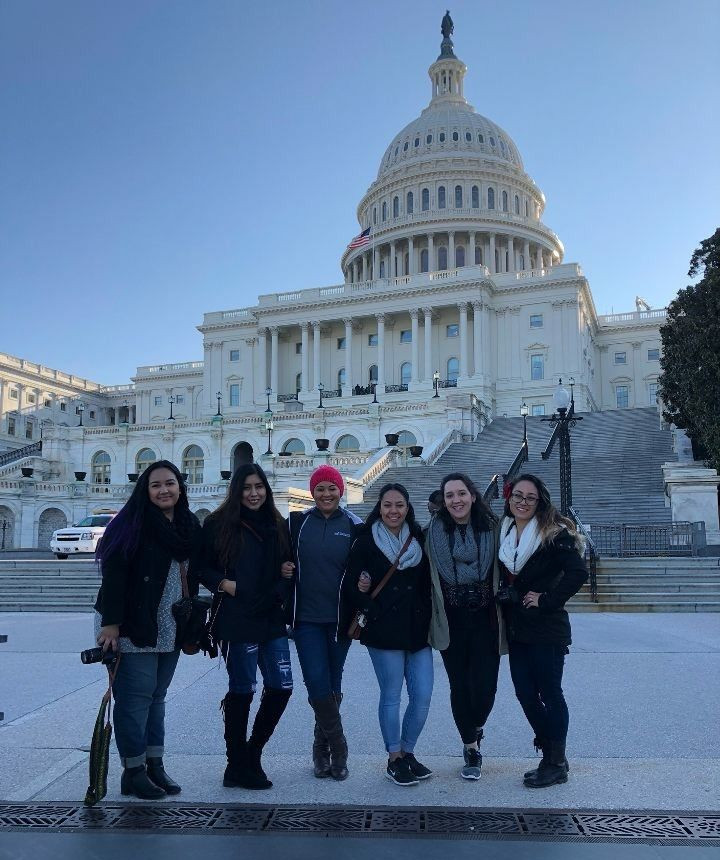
[236, 710]
[320, 751]
[327, 714]
[272, 706]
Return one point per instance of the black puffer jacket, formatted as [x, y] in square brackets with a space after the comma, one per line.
[399, 617]
[557, 571]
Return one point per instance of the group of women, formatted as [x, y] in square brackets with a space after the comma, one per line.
[468, 586]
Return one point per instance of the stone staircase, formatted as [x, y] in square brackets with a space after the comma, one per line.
[48, 585]
[616, 460]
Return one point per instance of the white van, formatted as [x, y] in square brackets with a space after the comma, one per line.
[83, 536]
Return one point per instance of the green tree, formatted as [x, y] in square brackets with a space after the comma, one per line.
[690, 379]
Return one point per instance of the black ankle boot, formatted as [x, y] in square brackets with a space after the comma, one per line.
[550, 772]
[135, 782]
[544, 748]
[158, 775]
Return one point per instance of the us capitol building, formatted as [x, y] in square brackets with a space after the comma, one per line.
[456, 306]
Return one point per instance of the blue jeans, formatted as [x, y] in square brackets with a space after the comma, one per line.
[139, 689]
[321, 658]
[391, 667]
[537, 672]
[243, 658]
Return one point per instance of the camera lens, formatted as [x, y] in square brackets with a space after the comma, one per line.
[91, 655]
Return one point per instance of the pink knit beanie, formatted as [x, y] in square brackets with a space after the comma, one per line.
[327, 473]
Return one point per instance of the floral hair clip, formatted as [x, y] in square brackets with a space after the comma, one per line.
[507, 489]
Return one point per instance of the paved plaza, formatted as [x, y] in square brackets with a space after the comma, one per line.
[643, 691]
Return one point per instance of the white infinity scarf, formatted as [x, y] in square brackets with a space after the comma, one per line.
[512, 554]
[390, 545]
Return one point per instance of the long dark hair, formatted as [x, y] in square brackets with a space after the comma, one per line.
[481, 517]
[549, 519]
[122, 535]
[232, 512]
[375, 514]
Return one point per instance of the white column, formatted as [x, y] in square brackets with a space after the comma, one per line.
[451, 250]
[262, 360]
[515, 342]
[431, 252]
[415, 354]
[411, 256]
[526, 255]
[485, 341]
[428, 375]
[391, 261]
[207, 382]
[511, 254]
[477, 338]
[348, 357]
[376, 263]
[491, 260]
[274, 365]
[380, 387]
[316, 355]
[471, 260]
[462, 307]
[304, 369]
[364, 267]
[538, 258]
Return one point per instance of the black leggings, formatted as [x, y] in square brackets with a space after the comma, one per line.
[472, 661]
[537, 672]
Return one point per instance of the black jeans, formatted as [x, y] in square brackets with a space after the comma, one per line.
[472, 661]
[537, 672]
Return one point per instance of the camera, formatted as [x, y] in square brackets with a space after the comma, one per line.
[96, 655]
[507, 596]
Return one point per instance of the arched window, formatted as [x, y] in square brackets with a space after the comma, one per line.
[459, 256]
[384, 210]
[193, 463]
[478, 255]
[458, 196]
[517, 205]
[410, 203]
[201, 514]
[442, 137]
[405, 146]
[101, 468]
[481, 139]
[406, 439]
[526, 209]
[143, 459]
[382, 268]
[453, 369]
[468, 136]
[475, 197]
[504, 201]
[405, 373]
[491, 198]
[347, 443]
[428, 139]
[372, 374]
[425, 199]
[396, 206]
[424, 260]
[456, 136]
[442, 259]
[294, 446]
[341, 378]
[374, 214]
[441, 197]
[416, 142]
[298, 382]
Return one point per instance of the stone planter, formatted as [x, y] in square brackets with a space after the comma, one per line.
[80, 476]
[26, 471]
[392, 439]
[133, 476]
[416, 450]
[225, 474]
[322, 444]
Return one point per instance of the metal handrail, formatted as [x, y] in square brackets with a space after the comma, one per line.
[492, 491]
[19, 453]
[591, 553]
[551, 442]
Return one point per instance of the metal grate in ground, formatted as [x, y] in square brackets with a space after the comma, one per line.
[656, 828]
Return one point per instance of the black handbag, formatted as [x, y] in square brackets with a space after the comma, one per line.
[191, 618]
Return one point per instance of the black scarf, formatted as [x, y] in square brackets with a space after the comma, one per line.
[176, 537]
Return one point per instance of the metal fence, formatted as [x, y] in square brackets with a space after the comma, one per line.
[665, 539]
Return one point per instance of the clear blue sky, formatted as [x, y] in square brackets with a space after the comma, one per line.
[160, 159]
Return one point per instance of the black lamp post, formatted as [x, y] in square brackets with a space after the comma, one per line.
[524, 412]
[219, 398]
[269, 426]
[268, 392]
[80, 409]
[4, 526]
[171, 400]
[321, 388]
[562, 420]
[374, 388]
[436, 382]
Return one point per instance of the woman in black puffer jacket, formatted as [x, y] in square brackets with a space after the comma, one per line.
[543, 568]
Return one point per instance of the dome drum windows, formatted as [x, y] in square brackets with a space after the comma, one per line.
[442, 258]
[504, 201]
[441, 197]
[458, 197]
[428, 139]
[425, 199]
[409, 203]
[491, 198]
[384, 210]
[442, 137]
[475, 197]
[396, 206]
[468, 136]
[455, 136]
[517, 205]
[459, 256]
[424, 258]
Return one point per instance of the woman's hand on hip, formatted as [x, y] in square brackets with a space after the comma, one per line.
[531, 599]
[287, 570]
[108, 637]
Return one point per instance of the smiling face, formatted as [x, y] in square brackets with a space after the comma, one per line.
[164, 490]
[327, 497]
[458, 501]
[393, 510]
[524, 501]
[253, 493]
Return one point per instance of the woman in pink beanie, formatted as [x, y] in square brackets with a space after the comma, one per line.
[321, 538]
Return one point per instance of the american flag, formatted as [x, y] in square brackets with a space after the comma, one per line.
[362, 239]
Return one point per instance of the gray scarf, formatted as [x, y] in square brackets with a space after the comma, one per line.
[390, 545]
[469, 560]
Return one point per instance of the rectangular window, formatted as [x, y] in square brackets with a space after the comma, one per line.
[621, 396]
[341, 343]
[452, 330]
[372, 340]
[31, 398]
[157, 401]
[620, 358]
[653, 355]
[11, 426]
[47, 403]
[235, 394]
[13, 394]
[653, 391]
[537, 409]
[234, 355]
[406, 336]
[28, 430]
[92, 413]
[63, 407]
[537, 367]
[536, 320]
[180, 399]
[298, 348]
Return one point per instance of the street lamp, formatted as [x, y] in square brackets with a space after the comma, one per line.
[219, 398]
[171, 400]
[436, 382]
[80, 409]
[268, 392]
[562, 420]
[524, 411]
[269, 426]
[321, 388]
[374, 388]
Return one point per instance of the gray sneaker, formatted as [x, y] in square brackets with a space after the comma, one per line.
[473, 764]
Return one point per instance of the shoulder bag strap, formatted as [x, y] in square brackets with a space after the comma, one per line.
[183, 578]
[384, 581]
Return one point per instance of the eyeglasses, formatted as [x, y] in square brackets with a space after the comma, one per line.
[518, 498]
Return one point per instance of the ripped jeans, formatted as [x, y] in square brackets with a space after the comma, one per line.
[273, 657]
